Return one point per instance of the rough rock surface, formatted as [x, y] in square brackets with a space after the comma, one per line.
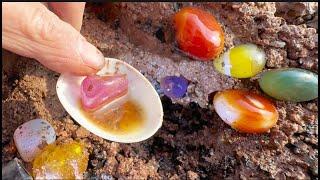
[193, 142]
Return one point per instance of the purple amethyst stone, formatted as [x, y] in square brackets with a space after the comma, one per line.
[174, 86]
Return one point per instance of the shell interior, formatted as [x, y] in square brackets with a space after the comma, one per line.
[140, 91]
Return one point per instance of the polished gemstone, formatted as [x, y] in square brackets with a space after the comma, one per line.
[198, 34]
[290, 84]
[31, 137]
[97, 91]
[64, 161]
[174, 86]
[242, 61]
[245, 111]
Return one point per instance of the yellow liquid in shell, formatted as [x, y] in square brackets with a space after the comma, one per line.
[126, 118]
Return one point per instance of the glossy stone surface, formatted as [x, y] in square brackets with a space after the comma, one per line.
[31, 137]
[65, 161]
[15, 170]
[290, 84]
[97, 91]
[242, 61]
[174, 86]
[198, 34]
[244, 111]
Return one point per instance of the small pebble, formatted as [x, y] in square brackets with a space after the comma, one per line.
[31, 137]
[315, 171]
[94, 162]
[82, 133]
[279, 44]
[104, 176]
[192, 175]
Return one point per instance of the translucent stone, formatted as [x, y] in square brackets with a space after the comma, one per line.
[97, 91]
[242, 61]
[65, 161]
[31, 137]
[198, 34]
[174, 86]
[290, 84]
[15, 170]
[244, 111]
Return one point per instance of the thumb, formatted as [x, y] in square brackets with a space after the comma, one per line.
[30, 29]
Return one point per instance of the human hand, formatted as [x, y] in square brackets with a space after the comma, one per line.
[32, 30]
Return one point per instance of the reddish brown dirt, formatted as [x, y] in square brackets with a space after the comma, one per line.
[193, 142]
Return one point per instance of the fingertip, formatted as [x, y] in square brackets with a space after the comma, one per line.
[90, 55]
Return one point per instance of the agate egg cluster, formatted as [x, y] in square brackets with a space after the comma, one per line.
[199, 35]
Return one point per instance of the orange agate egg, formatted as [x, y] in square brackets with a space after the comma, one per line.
[198, 34]
[244, 111]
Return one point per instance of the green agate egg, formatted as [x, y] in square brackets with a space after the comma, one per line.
[290, 84]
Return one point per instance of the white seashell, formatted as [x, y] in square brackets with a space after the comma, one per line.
[140, 91]
[31, 137]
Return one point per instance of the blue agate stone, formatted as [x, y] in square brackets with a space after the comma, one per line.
[174, 86]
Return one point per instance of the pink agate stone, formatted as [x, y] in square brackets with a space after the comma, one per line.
[97, 91]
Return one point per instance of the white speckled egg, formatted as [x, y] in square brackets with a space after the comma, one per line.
[33, 136]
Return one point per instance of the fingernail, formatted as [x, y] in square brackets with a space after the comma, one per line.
[90, 55]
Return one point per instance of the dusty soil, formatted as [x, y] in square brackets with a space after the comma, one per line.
[193, 142]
